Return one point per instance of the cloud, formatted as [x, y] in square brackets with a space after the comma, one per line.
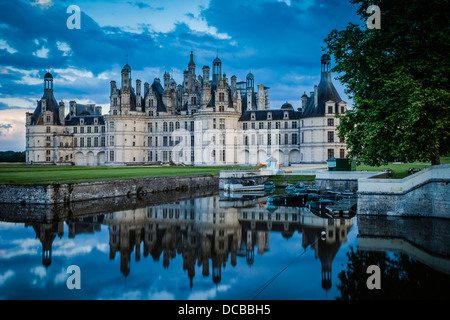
[4, 127]
[4, 45]
[20, 247]
[64, 47]
[42, 3]
[39, 271]
[141, 5]
[42, 53]
[5, 276]
[208, 294]
[61, 277]
[13, 139]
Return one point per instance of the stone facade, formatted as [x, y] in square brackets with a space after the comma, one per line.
[201, 121]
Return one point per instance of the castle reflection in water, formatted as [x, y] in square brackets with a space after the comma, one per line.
[208, 231]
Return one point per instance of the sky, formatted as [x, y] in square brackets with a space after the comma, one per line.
[279, 41]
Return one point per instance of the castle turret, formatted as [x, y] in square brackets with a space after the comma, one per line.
[191, 65]
[217, 71]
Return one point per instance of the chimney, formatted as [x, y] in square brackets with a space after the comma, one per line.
[205, 75]
[316, 96]
[113, 87]
[62, 111]
[138, 95]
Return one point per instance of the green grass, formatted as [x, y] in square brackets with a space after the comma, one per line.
[25, 174]
[401, 170]
[291, 179]
[16, 173]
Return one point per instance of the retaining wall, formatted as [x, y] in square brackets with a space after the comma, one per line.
[341, 180]
[82, 191]
[423, 194]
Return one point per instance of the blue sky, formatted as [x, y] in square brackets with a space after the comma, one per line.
[280, 41]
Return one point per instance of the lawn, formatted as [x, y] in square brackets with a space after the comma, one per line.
[26, 174]
[282, 181]
[17, 173]
[400, 170]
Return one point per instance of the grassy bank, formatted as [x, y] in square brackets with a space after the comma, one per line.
[400, 170]
[25, 174]
[290, 179]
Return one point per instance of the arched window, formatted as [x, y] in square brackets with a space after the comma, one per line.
[165, 127]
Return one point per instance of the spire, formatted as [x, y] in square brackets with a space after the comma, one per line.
[191, 65]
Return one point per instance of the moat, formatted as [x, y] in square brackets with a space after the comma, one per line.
[217, 246]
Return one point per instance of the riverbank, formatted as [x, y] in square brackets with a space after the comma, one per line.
[91, 190]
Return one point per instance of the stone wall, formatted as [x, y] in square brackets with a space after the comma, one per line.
[47, 213]
[430, 200]
[82, 191]
[424, 194]
[341, 180]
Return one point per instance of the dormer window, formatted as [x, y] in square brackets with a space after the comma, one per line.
[252, 116]
[81, 121]
[286, 115]
[269, 116]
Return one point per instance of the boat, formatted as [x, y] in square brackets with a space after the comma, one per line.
[269, 186]
[246, 185]
[296, 188]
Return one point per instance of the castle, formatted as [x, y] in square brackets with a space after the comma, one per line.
[201, 121]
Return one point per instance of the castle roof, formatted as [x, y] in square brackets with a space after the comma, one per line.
[51, 105]
[326, 92]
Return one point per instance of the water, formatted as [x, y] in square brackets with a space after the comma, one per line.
[214, 247]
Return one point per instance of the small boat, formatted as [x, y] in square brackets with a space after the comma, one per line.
[296, 188]
[269, 186]
[248, 185]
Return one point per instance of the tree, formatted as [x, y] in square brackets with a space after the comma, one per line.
[402, 277]
[398, 78]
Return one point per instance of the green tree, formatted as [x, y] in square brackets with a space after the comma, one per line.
[402, 277]
[398, 78]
